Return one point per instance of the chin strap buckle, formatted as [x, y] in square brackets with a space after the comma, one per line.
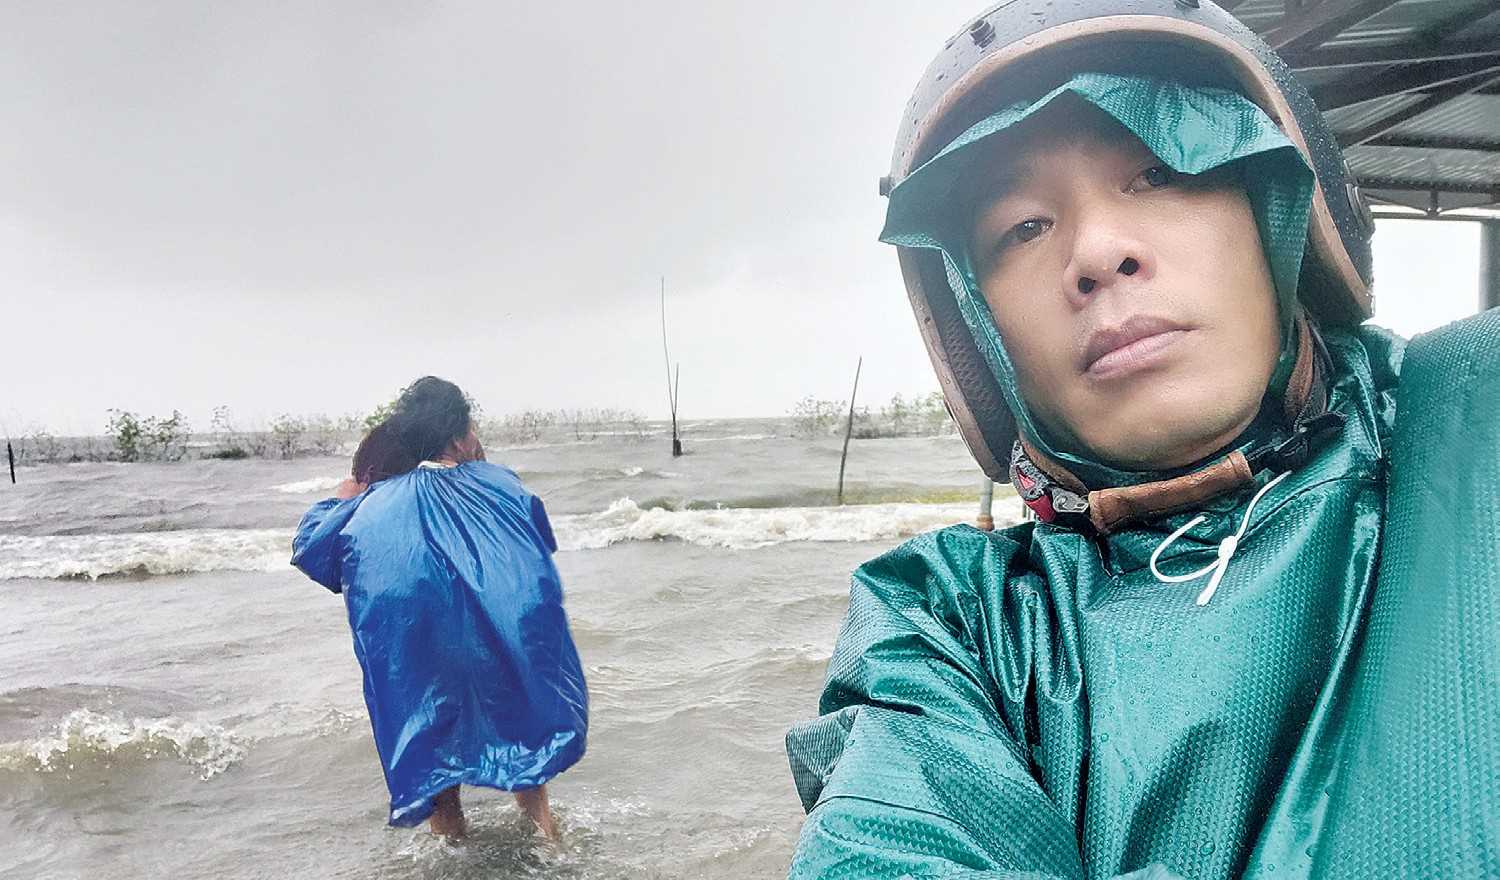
[1046, 498]
[1307, 435]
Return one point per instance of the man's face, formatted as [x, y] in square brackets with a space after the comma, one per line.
[1135, 303]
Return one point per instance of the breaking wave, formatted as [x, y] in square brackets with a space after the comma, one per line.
[268, 550]
[87, 737]
[143, 553]
[306, 487]
[739, 528]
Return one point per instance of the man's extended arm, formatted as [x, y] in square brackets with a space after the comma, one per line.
[919, 766]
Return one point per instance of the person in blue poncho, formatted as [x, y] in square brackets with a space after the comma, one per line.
[455, 606]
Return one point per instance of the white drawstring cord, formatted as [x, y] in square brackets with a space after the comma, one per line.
[1226, 549]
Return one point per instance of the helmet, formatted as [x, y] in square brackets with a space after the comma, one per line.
[1020, 48]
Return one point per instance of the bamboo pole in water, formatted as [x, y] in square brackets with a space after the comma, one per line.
[849, 429]
[672, 384]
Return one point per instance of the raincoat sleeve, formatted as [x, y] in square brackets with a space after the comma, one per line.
[542, 524]
[919, 765]
[318, 546]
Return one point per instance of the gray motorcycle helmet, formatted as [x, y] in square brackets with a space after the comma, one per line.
[1019, 49]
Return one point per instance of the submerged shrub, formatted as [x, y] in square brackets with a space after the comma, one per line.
[148, 438]
[286, 434]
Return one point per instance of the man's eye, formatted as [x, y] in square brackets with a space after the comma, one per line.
[1027, 230]
[1155, 176]
[1021, 233]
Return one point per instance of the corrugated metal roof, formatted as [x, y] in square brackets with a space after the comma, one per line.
[1260, 15]
[1406, 20]
[1357, 116]
[1456, 169]
[1426, 78]
[1488, 26]
[1467, 116]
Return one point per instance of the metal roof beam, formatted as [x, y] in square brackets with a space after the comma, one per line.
[1401, 184]
[1454, 214]
[1408, 78]
[1307, 27]
[1441, 95]
[1433, 142]
[1343, 57]
[1454, 23]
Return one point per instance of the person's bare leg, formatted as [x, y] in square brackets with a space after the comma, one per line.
[448, 815]
[533, 802]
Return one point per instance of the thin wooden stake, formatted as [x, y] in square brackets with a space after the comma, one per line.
[672, 383]
[10, 455]
[849, 429]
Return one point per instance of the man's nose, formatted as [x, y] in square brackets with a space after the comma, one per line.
[1105, 255]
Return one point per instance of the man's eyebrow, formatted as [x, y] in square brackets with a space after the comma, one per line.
[990, 186]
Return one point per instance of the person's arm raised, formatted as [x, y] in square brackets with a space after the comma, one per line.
[317, 548]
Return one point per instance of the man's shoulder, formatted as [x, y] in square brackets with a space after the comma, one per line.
[963, 556]
[1447, 411]
[1463, 350]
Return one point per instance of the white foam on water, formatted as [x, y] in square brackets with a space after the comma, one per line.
[269, 550]
[731, 437]
[749, 528]
[632, 471]
[306, 487]
[86, 736]
[191, 550]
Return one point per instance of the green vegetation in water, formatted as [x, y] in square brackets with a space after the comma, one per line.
[923, 415]
[130, 436]
[148, 438]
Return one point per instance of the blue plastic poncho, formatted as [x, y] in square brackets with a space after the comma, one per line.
[470, 673]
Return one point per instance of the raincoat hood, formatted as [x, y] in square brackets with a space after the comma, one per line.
[1193, 130]
[1011, 57]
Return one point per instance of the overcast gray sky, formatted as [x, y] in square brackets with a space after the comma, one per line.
[298, 207]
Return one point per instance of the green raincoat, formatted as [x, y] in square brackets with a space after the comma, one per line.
[1034, 702]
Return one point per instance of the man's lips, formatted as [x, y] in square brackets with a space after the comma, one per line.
[1134, 343]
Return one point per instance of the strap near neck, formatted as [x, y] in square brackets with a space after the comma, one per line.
[1056, 495]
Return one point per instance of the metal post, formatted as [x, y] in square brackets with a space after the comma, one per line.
[1489, 264]
[986, 506]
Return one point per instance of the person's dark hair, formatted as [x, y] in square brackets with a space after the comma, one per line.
[430, 414]
[381, 454]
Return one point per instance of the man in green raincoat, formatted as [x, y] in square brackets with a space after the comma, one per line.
[1255, 629]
